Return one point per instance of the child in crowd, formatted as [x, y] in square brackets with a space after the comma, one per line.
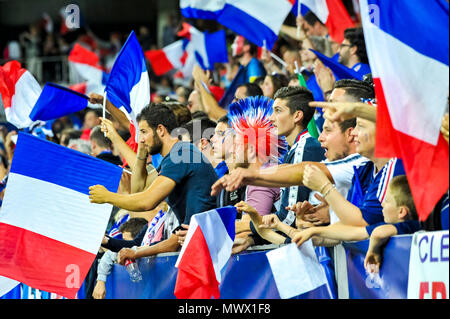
[400, 217]
[129, 230]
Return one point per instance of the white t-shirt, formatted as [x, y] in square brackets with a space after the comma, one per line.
[342, 172]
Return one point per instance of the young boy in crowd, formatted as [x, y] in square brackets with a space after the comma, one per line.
[400, 217]
[130, 230]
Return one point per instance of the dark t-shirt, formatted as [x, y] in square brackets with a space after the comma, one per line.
[194, 175]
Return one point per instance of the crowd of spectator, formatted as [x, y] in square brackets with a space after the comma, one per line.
[329, 188]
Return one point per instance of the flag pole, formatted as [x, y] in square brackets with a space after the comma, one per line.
[279, 60]
[274, 56]
[104, 108]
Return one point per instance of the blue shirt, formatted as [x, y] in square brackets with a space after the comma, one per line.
[362, 69]
[373, 188]
[194, 175]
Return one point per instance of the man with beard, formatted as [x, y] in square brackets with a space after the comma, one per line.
[185, 178]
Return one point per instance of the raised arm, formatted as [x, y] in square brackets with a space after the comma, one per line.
[341, 111]
[210, 105]
[117, 114]
[124, 149]
[337, 231]
[138, 202]
[277, 176]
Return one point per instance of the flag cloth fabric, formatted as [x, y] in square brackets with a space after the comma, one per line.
[303, 9]
[411, 76]
[205, 252]
[296, 270]
[50, 233]
[166, 59]
[339, 70]
[19, 91]
[128, 86]
[209, 47]
[56, 101]
[6, 285]
[256, 20]
[87, 66]
[333, 14]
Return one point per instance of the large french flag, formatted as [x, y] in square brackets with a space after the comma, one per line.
[205, 252]
[259, 21]
[19, 91]
[50, 233]
[409, 57]
[333, 14]
[128, 86]
[167, 58]
[87, 66]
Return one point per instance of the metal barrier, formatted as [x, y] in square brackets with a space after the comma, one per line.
[54, 69]
[249, 276]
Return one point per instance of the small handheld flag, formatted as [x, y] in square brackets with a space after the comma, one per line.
[128, 86]
[56, 101]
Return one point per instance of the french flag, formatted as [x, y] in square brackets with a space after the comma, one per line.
[205, 252]
[87, 66]
[333, 14]
[128, 86]
[408, 44]
[56, 101]
[208, 48]
[168, 58]
[50, 233]
[19, 91]
[259, 21]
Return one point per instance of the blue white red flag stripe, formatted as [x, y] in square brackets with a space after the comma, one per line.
[208, 47]
[205, 252]
[333, 14]
[87, 66]
[56, 101]
[259, 21]
[411, 76]
[50, 240]
[19, 91]
[166, 59]
[128, 86]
